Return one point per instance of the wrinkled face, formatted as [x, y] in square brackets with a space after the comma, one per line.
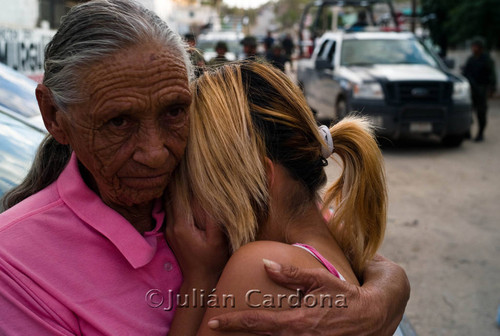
[132, 131]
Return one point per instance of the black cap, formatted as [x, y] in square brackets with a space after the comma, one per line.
[189, 37]
[221, 45]
[250, 41]
[478, 41]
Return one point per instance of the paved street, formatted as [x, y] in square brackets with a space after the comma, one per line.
[444, 229]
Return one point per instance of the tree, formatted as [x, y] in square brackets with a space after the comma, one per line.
[457, 21]
[435, 13]
[237, 12]
[475, 18]
[289, 12]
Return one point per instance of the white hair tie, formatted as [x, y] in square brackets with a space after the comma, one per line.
[326, 151]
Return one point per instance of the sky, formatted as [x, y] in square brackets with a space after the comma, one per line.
[245, 3]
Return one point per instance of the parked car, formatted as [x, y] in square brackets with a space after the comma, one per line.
[18, 144]
[21, 126]
[17, 97]
[405, 328]
[391, 78]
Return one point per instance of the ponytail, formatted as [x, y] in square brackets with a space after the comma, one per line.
[50, 160]
[359, 196]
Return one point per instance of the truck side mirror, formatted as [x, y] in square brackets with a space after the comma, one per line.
[449, 62]
[322, 64]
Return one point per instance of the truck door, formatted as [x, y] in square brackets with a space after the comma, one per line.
[311, 78]
[326, 88]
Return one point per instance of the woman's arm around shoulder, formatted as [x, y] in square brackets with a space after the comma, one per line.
[375, 309]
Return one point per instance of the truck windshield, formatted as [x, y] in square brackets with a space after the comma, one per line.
[384, 51]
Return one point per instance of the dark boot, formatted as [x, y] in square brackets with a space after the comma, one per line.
[479, 137]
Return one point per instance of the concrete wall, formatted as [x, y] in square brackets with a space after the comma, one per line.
[19, 13]
[22, 49]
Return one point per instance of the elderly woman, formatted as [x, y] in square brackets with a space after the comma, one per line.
[79, 256]
[83, 249]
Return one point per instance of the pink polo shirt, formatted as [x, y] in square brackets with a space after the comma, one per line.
[70, 265]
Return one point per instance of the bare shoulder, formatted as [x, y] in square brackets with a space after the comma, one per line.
[244, 283]
[252, 254]
[245, 268]
[248, 261]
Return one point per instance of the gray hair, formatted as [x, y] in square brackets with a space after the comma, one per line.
[89, 33]
[49, 162]
[95, 30]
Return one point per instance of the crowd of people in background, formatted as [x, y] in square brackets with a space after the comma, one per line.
[276, 52]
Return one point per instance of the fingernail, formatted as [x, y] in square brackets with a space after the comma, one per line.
[275, 267]
[213, 324]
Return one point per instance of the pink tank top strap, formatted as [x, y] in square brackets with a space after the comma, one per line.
[321, 259]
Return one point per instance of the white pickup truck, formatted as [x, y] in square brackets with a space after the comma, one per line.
[392, 78]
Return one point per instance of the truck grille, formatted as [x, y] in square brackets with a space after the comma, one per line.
[423, 114]
[418, 92]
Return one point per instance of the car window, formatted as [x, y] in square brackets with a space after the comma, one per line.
[18, 145]
[321, 51]
[17, 92]
[331, 51]
[385, 51]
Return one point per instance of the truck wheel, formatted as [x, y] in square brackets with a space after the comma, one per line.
[453, 140]
[340, 109]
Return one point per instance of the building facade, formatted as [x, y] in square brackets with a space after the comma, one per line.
[26, 26]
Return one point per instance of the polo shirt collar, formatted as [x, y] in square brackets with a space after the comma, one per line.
[87, 205]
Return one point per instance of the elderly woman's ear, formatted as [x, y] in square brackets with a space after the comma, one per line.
[51, 114]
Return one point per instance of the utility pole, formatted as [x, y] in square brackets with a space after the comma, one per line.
[413, 15]
[217, 4]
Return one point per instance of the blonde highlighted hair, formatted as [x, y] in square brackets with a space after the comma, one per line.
[246, 112]
[359, 196]
[222, 167]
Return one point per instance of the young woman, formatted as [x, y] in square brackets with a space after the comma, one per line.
[254, 165]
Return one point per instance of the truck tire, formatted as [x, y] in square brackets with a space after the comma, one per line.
[340, 109]
[453, 140]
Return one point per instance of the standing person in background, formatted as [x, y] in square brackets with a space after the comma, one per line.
[288, 47]
[361, 23]
[480, 71]
[268, 41]
[195, 55]
[249, 44]
[276, 57]
[221, 50]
